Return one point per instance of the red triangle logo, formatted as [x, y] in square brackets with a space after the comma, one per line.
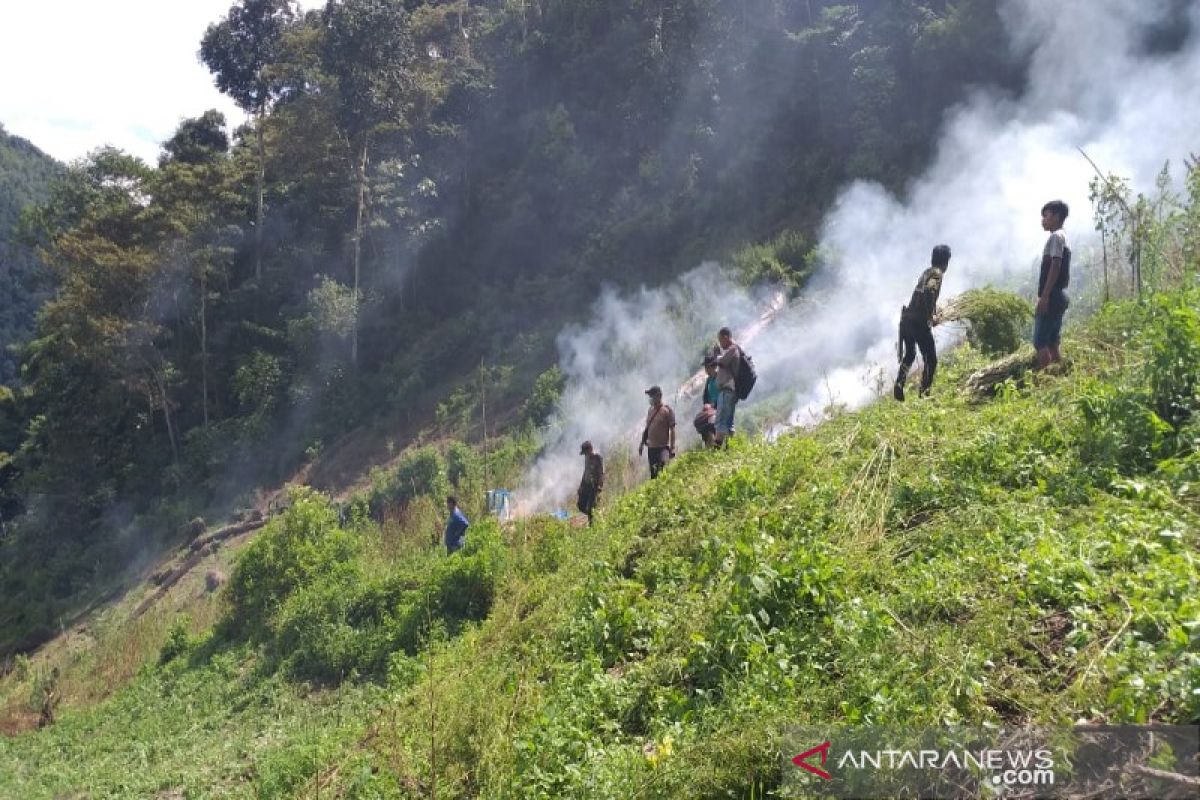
[802, 762]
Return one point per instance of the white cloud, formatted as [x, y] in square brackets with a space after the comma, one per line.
[84, 73]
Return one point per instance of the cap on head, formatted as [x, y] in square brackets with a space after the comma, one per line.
[585, 448]
[654, 391]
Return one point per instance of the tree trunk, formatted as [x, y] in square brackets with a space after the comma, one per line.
[259, 179]
[166, 406]
[204, 340]
[361, 179]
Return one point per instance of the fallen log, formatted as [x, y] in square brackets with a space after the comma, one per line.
[228, 532]
[1173, 777]
[982, 383]
[194, 558]
[200, 548]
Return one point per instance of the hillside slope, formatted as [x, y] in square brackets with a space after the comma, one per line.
[1032, 558]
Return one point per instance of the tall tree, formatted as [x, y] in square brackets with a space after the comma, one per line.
[239, 50]
[96, 375]
[369, 52]
[194, 195]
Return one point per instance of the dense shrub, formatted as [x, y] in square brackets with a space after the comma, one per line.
[1173, 367]
[462, 464]
[787, 259]
[297, 548]
[1132, 425]
[420, 472]
[340, 625]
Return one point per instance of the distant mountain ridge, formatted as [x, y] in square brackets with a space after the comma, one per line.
[25, 176]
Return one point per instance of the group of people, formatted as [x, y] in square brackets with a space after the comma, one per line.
[918, 318]
[724, 363]
[714, 422]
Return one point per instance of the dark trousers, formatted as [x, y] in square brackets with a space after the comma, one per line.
[658, 459]
[914, 336]
[586, 501]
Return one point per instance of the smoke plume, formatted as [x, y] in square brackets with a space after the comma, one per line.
[1120, 80]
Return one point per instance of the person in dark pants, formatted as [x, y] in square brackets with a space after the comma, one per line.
[658, 437]
[592, 482]
[1053, 279]
[456, 526]
[916, 324]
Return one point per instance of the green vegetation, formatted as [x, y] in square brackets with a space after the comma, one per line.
[425, 194]
[385, 253]
[998, 321]
[25, 177]
[1028, 559]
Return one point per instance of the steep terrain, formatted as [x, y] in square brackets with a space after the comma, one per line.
[1026, 559]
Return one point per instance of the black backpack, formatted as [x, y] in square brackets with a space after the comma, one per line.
[746, 376]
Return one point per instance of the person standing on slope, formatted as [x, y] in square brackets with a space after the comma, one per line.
[456, 526]
[1053, 278]
[916, 324]
[706, 419]
[729, 360]
[658, 437]
[592, 482]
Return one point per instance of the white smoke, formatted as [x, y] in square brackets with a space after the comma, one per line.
[652, 337]
[1093, 85]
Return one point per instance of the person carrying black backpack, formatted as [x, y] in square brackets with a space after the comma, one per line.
[729, 363]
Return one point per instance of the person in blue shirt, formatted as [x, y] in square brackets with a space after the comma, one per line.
[456, 526]
[706, 420]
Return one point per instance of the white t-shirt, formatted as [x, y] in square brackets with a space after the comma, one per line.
[1055, 245]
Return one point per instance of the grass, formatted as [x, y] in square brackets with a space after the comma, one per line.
[1031, 559]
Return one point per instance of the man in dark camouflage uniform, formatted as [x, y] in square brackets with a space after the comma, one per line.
[592, 482]
[917, 321]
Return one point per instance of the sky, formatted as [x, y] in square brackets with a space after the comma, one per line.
[79, 74]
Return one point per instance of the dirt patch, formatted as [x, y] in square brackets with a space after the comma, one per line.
[15, 721]
[1053, 630]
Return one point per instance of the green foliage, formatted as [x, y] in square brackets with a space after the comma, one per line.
[420, 473]
[179, 641]
[544, 397]
[973, 564]
[462, 464]
[258, 382]
[295, 549]
[242, 49]
[338, 626]
[787, 259]
[1131, 425]
[25, 178]
[999, 321]
[1173, 367]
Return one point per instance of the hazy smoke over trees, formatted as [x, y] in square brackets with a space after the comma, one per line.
[1114, 78]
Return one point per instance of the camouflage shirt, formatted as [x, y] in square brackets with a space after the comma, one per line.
[923, 303]
[593, 471]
